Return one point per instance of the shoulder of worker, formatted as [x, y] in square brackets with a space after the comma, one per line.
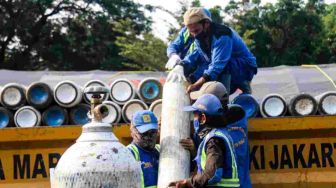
[217, 134]
[219, 30]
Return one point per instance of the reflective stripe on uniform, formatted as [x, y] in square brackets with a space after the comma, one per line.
[137, 158]
[185, 36]
[224, 182]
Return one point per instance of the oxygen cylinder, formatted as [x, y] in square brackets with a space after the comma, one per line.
[67, 94]
[12, 96]
[174, 159]
[114, 114]
[6, 118]
[156, 108]
[79, 114]
[131, 107]
[327, 103]
[248, 103]
[121, 91]
[39, 95]
[302, 105]
[97, 159]
[27, 116]
[90, 83]
[273, 105]
[55, 116]
[149, 90]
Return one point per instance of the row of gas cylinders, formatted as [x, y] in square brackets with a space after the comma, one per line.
[39, 104]
[275, 105]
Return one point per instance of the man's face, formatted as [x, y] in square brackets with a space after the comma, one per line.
[195, 29]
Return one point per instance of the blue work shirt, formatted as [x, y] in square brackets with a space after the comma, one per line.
[149, 164]
[227, 50]
[181, 45]
[238, 132]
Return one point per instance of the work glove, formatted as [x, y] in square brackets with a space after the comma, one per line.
[176, 75]
[173, 61]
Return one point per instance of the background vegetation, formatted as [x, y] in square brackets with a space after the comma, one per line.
[116, 34]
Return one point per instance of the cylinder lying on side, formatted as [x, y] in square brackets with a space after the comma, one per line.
[39, 95]
[149, 90]
[302, 105]
[248, 103]
[121, 91]
[114, 113]
[27, 116]
[87, 96]
[175, 124]
[78, 115]
[55, 116]
[12, 96]
[131, 107]
[273, 105]
[156, 108]
[68, 94]
[6, 118]
[327, 103]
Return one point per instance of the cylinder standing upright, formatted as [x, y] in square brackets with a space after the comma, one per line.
[175, 124]
[97, 159]
[39, 95]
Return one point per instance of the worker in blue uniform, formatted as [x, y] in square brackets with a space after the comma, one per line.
[216, 161]
[220, 54]
[144, 131]
[181, 46]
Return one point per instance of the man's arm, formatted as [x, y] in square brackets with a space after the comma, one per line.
[177, 46]
[215, 156]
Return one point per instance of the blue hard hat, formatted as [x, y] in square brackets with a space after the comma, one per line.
[145, 120]
[208, 104]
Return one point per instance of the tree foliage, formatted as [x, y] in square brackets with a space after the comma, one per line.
[116, 34]
[68, 34]
[286, 33]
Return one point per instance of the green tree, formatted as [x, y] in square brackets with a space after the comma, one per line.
[287, 33]
[329, 30]
[141, 52]
[67, 34]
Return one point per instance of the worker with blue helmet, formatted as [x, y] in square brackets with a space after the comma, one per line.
[216, 161]
[144, 131]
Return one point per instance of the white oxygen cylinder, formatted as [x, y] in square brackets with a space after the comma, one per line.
[175, 124]
[27, 116]
[68, 94]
